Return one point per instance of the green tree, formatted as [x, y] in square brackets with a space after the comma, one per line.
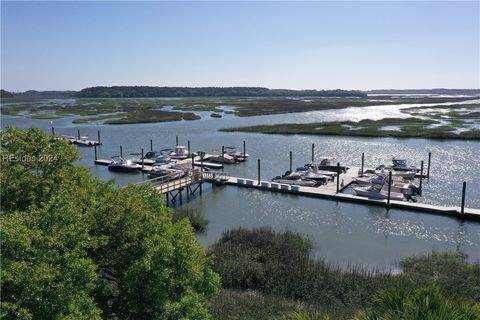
[74, 247]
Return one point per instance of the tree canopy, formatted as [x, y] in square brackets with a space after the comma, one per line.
[74, 247]
[155, 92]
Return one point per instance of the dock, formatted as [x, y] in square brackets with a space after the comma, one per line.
[329, 191]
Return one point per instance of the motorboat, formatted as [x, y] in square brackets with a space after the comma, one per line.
[376, 192]
[166, 172]
[239, 156]
[180, 153]
[328, 164]
[85, 141]
[312, 169]
[137, 158]
[226, 158]
[398, 184]
[399, 165]
[161, 156]
[121, 165]
[70, 139]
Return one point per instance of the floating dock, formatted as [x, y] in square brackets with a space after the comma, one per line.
[329, 191]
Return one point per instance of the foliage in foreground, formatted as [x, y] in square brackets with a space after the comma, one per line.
[195, 217]
[278, 265]
[74, 247]
[424, 303]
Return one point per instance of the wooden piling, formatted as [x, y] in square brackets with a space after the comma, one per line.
[464, 189]
[121, 151]
[338, 177]
[53, 131]
[188, 146]
[244, 148]
[363, 162]
[142, 159]
[290, 161]
[151, 145]
[428, 165]
[176, 140]
[421, 176]
[78, 133]
[193, 161]
[313, 152]
[98, 136]
[389, 186]
[258, 171]
[95, 149]
[223, 157]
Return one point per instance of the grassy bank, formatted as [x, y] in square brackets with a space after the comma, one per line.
[445, 122]
[138, 110]
[264, 273]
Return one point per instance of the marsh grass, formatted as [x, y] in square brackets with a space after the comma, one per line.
[195, 217]
[278, 264]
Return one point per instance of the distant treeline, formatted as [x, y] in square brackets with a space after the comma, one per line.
[151, 92]
[425, 91]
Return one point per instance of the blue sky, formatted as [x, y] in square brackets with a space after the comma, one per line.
[298, 45]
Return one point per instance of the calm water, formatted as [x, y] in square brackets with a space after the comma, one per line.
[342, 233]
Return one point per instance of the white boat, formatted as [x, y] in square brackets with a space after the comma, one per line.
[85, 141]
[239, 156]
[328, 164]
[376, 192]
[69, 138]
[180, 153]
[137, 158]
[219, 159]
[403, 174]
[399, 165]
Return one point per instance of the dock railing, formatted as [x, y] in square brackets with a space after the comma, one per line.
[215, 176]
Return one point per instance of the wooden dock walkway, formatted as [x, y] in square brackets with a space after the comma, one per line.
[329, 191]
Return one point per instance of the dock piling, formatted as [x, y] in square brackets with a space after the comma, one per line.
[223, 157]
[98, 136]
[421, 176]
[290, 161]
[151, 145]
[193, 161]
[176, 140]
[338, 177]
[53, 131]
[428, 165]
[258, 171]
[121, 151]
[313, 152]
[244, 148]
[363, 162]
[142, 159]
[389, 186]
[188, 146]
[78, 133]
[464, 189]
[95, 149]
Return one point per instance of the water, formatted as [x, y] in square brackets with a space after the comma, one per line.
[342, 233]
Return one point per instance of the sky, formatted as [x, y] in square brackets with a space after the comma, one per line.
[295, 45]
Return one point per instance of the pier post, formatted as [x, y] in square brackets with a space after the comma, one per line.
[428, 165]
[244, 148]
[258, 171]
[363, 161]
[121, 151]
[188, 146]
[95, 149]
[176, 140]
[98, 136]
[290, 161]
[464, 189]
[313, 152]
[421, 176]
[223, 157]
[78, 133]
[338, 177]
[151, 145]
[53, 131]
[193, 161]
[389, 186]
[142, 159]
